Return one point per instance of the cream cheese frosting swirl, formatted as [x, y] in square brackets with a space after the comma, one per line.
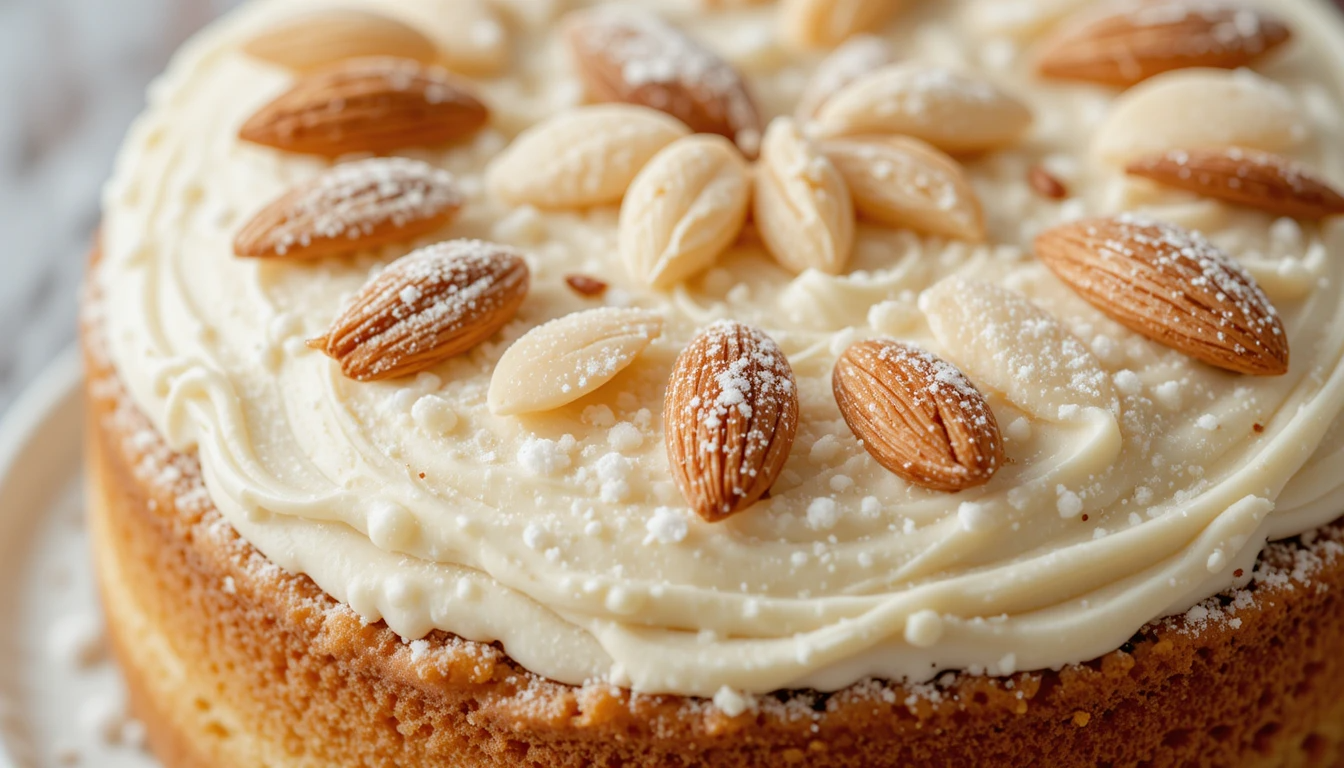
[1139, 481]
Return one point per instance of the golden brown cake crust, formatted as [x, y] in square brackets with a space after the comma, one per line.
[231, 661]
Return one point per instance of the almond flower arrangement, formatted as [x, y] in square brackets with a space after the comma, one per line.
[674, 137]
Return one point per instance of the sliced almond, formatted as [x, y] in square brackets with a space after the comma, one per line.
[686, 206]
[811, 24]
[633, 56]
[857, 57]
[1268, 182]
[1205, 108]
[1015, 348]
[904, 182]
[368, 105]
[581, 157]
[1173, 286]
[917, 415]
[730, 417]
[559, 362]
[427, 307]
[953, 111]
[803, 208]
[356, 206]
[1132, 45]
[321, 38]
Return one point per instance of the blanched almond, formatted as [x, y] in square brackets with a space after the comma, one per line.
[904, 182]
[1173, 286]
[581, 157]
[917, 415]
[630, 55]
[809, 24]
[426, 307]
[1261, 180]
[955, 112]
[368, 105]
[559, 362]
[354, 206]
[1200, 108]
[318, 39]
[686, 206]
[857, 57]
[730, 418]
[803, 208]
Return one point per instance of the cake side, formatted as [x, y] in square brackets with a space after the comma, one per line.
[233, 661]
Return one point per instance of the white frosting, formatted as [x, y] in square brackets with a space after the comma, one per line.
[561, 535]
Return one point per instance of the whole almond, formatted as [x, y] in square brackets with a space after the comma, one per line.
[368, 105]
[904, 182]
[1173, 286]
[320, 38]
[581, 157]
[633, 56]
[730, 417]
[686, 206]
[1132, 45]
[1261, 180]
[857, 57]
[811, 24]
[355, 206]
[955, 112]
[426, 307]
[803, 208]
[559, 362]
[917, 415]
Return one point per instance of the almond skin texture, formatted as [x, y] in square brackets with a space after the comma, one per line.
[375, 105]
[426, 307]
[1131, 46]
[1261, 180]
[684, 209]
[1173, 286]
[904, 182]
[559, 362]
[356, 206]
[917, 415]
[730, 418]
[315, 40]
[676, 74]
[803, 208]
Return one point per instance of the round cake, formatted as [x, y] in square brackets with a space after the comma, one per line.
[702, 383]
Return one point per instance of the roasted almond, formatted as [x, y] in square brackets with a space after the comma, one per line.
[1132, 45]
[426, 307]
[1173, 286]
[954, 111]
[581, 157]
[628, 55]
[355, 206]
[1046, 184]
[904, 182]
[857, 57]
[917, 415]
[686, 206]
[811, 24]
[1268, 182]
[730, 417]
[803, 208]
[584, 285]
[368, 105]
[559, 362]
[318, 39]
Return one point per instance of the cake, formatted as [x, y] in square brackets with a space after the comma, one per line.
[814, 382]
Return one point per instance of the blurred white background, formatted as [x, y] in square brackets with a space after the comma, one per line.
[72, 77]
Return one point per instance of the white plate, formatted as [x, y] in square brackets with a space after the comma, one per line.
[62, 702]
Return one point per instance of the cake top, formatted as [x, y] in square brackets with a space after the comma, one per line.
[747, 346]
